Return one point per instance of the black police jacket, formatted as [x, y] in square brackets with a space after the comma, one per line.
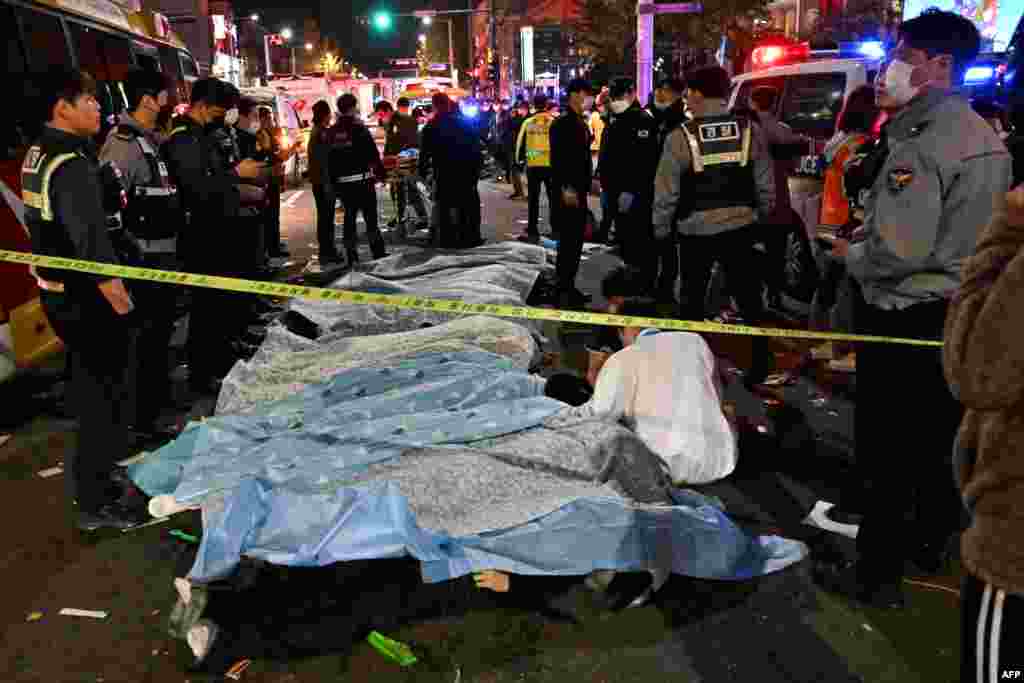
[202, 170]
[64, 208]
[630, 153]
[353, 155]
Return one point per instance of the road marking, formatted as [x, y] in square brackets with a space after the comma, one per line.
[290, 202]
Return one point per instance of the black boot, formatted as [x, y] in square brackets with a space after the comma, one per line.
[378, 249]
[351, 254]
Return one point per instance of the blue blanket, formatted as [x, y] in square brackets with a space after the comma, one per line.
[456, 459]
[358, 417]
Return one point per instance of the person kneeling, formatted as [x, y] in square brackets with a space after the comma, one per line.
[664, 386]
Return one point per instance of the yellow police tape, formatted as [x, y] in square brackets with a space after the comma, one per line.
[277, 289]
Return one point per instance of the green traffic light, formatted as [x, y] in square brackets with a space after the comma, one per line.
[382, 21]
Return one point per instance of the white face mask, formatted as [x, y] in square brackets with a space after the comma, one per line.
[897, 82]
[619, 106]
[588, 102]
[231, 117]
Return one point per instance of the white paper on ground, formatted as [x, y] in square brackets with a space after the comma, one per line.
[818, 518]
[92, 614]
[51, 472]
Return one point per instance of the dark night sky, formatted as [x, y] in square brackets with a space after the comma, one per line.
[363, 46]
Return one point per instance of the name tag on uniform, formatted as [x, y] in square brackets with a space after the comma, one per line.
[162, 167]
[32, 160]
[719, 132]
[643, 133]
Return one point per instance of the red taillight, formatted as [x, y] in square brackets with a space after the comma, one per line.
[773, 55]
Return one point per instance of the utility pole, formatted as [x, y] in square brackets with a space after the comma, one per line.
[493, 44]
[645, 11]
[644, 49]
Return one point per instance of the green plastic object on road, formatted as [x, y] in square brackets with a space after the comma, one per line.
[189, 538]
[392, 649]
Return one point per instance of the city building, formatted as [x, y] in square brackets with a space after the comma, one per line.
[209, 30]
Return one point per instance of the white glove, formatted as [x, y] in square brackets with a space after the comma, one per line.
[625, 202]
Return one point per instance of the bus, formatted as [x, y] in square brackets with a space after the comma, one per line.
[104, 39]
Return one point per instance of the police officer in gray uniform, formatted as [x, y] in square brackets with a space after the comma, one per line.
[715, 182]
[66, 217]
[944, 174]
[151, 219]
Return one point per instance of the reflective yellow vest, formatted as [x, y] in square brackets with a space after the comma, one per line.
[537, 133]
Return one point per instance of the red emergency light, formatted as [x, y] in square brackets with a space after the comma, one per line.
[775, 55]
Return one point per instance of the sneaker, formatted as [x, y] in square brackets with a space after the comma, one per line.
[111, 516]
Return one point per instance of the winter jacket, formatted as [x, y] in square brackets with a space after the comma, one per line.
[984, 362]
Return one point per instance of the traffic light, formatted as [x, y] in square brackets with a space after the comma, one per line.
[494, 71]
[276, 39]
[382, 20]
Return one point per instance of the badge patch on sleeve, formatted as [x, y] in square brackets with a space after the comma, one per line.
[899, 179]
[642, 133]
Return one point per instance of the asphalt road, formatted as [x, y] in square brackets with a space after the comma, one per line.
[777, 629]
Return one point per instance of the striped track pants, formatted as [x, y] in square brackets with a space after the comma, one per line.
[992, 633]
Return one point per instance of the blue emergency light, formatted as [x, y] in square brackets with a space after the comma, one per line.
[979, 74]
[470, 111]
[871, 49]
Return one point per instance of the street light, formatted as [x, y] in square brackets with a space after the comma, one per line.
[428, 20]
[254, 17]
[423, 39]
[382, 21]
[309, 47]
[286, 33]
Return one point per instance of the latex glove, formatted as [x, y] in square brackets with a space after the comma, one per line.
[625, 202]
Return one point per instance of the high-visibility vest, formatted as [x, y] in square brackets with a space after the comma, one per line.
[536, 132]
[835, 205]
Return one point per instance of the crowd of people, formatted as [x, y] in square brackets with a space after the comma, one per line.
[928, 248]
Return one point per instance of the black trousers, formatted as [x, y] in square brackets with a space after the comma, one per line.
[272, 216]
[535, 177]
[992, 625]
[408, 192]
[666, 263]
[361, 198]
[458, 201]
[636, 234]
[154, 317]
[101, 348]
[325, 199]
[733, 249]
[904, 428]
[216, 317]
[571, 222]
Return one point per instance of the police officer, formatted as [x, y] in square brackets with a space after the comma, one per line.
[572, 173]
[65, 214]
[355, 167]
[629, 163]
[670, 114]
[253, 192]
[152, 217]
[715, 181]
[202, 165]
[534, 142]
[945, 173]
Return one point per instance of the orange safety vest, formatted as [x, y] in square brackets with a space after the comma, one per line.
[835, 205]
